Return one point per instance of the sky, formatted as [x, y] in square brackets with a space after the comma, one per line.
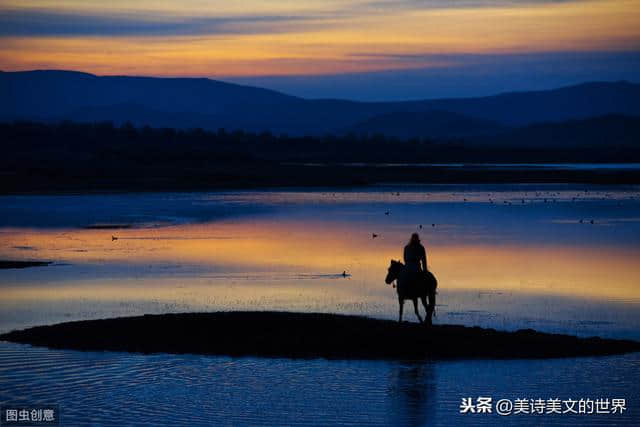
[357, 49]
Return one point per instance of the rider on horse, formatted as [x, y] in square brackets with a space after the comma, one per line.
[415, 259]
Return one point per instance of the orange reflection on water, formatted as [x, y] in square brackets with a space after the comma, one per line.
[319, 247]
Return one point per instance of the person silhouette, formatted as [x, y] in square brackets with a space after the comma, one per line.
[415, 259]
[415, 256]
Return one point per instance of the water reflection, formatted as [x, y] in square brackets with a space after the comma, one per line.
[323, 250]
[505, 256]
[412, 388]
[115, 389]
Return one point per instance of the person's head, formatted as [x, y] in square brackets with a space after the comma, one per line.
[415, 239]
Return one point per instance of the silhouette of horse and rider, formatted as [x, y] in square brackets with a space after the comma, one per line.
[413, 279]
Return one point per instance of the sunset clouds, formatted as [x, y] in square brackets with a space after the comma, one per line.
[305, 37]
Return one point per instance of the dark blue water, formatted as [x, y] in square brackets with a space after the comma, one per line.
[509, 257]
[129, 389]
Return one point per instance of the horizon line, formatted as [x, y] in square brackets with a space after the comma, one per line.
[508, 92]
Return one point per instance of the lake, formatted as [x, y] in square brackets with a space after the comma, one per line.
[556, 258]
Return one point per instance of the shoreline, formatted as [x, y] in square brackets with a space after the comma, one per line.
[308, 177]
[309, 336]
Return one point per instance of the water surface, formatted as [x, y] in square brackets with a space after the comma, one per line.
[557, 258]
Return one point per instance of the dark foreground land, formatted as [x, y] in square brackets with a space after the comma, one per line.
[308, 335]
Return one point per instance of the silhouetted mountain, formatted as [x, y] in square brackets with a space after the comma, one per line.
[431, 124]
[604, 133]
[41, 93]
[572, 102]
[210, 104]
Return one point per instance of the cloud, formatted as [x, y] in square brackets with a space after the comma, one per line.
[456, 4]
[540, 62]
[43, 23]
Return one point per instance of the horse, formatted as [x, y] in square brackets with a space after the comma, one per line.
[409, 288]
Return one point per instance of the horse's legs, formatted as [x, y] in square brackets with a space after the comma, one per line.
[432, 305]
[423, 298]
[415, 308]
[401, 302]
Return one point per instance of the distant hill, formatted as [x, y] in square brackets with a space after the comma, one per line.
[566, 103]
[604, 132]
[41, 93]
[211, 104]
[434, 124]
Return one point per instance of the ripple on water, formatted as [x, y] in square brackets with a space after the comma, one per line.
[110, 388]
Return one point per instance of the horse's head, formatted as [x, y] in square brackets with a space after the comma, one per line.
[393, 272]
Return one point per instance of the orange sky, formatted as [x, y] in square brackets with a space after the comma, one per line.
[259, 37]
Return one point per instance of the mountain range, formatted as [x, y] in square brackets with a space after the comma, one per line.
[209, 104]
